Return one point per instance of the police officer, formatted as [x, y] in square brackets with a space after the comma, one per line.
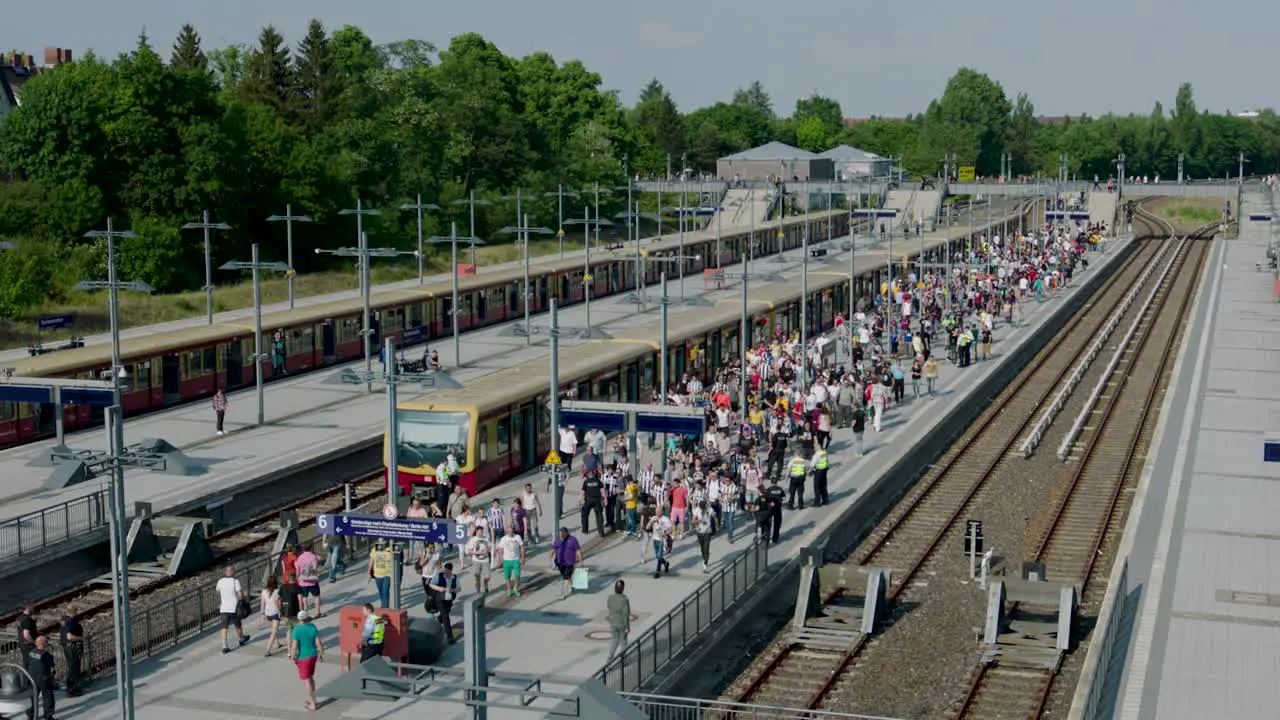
[819, 467]
[796, 471]
[372, 634]
[777, 451]
[26, 630]
[72, 638]
[775, 495]
[760, 507]
[39, 663]
[592, 499]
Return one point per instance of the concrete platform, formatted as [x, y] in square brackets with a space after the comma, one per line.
[1196, 627]
[310, 420]
[540, 633]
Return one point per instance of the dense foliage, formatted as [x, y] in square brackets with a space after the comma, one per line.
[243, 131]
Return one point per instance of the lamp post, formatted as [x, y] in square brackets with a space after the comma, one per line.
[587, 222]
[452, 239]
[633, 214]
[1120, 176]
[289, 219]
[257, 266]
[121, 621]
[360, 211]
[206, 226]
[522, 236]
[419, 206]
[472, 203]
[364, 253]
[560, 194]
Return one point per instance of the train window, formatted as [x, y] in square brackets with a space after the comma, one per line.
[191, 363]
[6, 410]
[416, 315]
[210, 360]
[427, 436]
[142, 375]
[504, 435]
[482, 439]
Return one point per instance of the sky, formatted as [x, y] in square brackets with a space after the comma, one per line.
[887, 58]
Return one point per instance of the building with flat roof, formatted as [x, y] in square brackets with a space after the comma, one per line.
[772, 160]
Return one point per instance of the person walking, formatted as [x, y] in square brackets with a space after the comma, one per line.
[511, 546]
[270, 602]
[566, 553]
[532, 511]
[859, 427]
[219, 409]
[72, 637]
[445, 586]
[333, 549]
[481, 553]
[592, 500]
[775, 495]
[380, 559]
[703, 528]
[930, 375]
[308, 566]
[660, 530]
[305, 650]
[39, 664]
[230, 593]
[619, 607]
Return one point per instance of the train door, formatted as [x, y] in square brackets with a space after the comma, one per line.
[633, 383]
[542, 292]
[482, 310]
[329, 342]
[171, 378]
[46, 420]
[525, 432]
[713, 353]
[234, 365]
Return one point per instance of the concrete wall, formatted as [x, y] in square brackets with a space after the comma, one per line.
[815, 169]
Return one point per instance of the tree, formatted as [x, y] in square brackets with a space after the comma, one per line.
[813, 134]
[1021, 140]
[269, 77]
[187, 54]
[659, 126]
[1185, 126]
[971, 120]
[318, 82]
[755, 97]
[823, 109]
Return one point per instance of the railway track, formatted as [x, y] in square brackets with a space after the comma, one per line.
[908, 540]
[241, 543]
[1092, 500]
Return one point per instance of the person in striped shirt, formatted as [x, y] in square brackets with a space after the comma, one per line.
[496, 520]
[647, 479]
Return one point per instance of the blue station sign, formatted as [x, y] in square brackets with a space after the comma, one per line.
[440, 532]
[54, 322]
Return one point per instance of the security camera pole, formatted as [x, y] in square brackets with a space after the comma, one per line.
[257, 267]
[360, 211]
[366, 253]
[560, 194]
[522, 236]
[471, 202]
[419, 206]
[206, 226]
[289, 219]
[121, 625]
[587, 223]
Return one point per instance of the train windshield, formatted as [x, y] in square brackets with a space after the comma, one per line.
[425, 438]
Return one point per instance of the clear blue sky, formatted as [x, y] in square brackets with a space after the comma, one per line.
[886, 58]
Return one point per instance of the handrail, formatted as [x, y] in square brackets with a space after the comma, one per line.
[35, 531]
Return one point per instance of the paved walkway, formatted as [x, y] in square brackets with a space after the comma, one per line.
[538, 633]
[1198, 629]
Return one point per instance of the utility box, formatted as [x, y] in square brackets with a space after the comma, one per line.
[395, 641]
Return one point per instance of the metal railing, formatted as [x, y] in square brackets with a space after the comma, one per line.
[661, 707]
[35, 531]
[165, 624]
[648, 654]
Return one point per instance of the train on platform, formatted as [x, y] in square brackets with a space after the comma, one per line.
[498, 425]
[170, 368]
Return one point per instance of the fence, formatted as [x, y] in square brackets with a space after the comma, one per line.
[165, 624]
[35, 531]
[673, 632]
[661, 707]
[1091, 688]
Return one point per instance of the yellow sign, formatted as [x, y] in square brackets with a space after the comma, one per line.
[780, 235]
[553, 458]
[586, 278]
[560, 232]
[965, 173]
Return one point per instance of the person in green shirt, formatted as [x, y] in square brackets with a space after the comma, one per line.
[306, 649]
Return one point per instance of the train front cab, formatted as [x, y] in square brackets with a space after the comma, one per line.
[426, 435]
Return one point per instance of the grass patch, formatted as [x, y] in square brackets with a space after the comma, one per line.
[90, 309]
[1193, 212]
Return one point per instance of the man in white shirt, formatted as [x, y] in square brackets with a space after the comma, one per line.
[229, 596]
[479, 550]
[512, 549]
[568, 446]
[532, 509]
[595, 439]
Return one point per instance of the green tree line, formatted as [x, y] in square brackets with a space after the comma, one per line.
[243, 131]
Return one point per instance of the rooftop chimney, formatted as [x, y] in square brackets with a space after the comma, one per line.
[66, 56]
[52, 56]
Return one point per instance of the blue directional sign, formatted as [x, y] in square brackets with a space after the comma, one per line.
[1271, 452]
[53, 322]
[606, 421]
[673, 424]
[433, 531]
[876, 212]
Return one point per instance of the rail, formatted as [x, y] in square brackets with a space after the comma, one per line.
[1077, 427]
[663, 707]
[1037, 433]
[648, 654]
[35, 531]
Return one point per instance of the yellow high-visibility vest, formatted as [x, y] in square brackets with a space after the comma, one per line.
[379, 631]
[797, 467]
[821, 463]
